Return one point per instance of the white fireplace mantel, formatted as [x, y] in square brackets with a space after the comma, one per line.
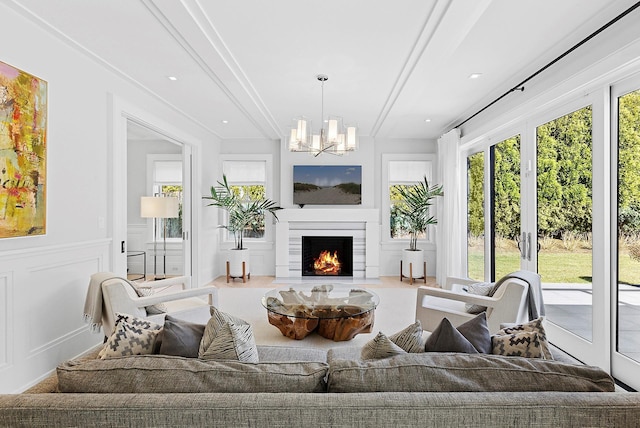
[369, 217]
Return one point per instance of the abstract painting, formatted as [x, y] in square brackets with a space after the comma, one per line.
[23, 153]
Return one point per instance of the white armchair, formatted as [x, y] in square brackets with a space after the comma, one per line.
[507, 305]
[187, 303]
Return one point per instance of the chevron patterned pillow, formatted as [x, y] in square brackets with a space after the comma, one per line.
[522, 339]
[132, 336]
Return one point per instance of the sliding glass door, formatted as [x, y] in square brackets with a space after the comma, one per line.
[626, 288]
[564, 220]
[493, 184]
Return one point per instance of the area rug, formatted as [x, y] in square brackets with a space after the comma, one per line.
[396, 310]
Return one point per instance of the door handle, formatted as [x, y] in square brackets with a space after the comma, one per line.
[522, 245]
[529, 246]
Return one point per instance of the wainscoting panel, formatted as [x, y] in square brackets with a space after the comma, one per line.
[43, 291]
[6, 315]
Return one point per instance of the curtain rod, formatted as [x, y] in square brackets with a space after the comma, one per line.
[520, 86]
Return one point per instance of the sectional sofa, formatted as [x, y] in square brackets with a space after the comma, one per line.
[296, 387]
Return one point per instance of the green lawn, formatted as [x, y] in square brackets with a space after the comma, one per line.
[555, 265]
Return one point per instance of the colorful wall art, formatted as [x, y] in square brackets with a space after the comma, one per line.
[23, 153]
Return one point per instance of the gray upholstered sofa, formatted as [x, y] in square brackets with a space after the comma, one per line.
[310, 387]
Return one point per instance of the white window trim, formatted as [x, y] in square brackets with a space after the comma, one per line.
[267, 242]
[385, 206]
[151, 159]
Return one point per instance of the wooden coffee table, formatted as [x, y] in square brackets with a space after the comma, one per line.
[337, 312]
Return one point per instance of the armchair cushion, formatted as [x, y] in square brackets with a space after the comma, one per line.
[479, 289]
[158, 308]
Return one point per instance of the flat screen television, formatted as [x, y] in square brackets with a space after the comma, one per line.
[327, 185]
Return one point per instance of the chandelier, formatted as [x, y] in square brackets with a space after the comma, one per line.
[335, 138]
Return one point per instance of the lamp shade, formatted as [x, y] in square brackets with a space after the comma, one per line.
[158, 207]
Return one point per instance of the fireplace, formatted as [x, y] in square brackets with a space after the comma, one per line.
[327, 256]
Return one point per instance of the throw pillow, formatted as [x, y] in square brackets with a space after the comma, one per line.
[228, 338]
[181, 338]
[531, 326]
[158, 308]
[446, 338]
[410, 338]
[477, 332]
[524, 344]
[380, 347]
[132, 336]
[479, 289]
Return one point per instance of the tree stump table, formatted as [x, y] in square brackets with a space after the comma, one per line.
[335, 312]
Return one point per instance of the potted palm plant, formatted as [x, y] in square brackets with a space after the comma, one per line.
[244, 214]
[413, 210]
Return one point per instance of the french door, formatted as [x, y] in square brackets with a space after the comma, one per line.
[625, 190]
[537, 210]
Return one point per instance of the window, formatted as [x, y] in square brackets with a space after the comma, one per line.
[167, 181]
[401, 173]
[248, 179]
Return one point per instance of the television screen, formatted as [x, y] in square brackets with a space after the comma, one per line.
[327, 184]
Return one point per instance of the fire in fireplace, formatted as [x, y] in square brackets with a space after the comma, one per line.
[327, 255]
[327, 263]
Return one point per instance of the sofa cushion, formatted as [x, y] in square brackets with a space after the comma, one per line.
[227, 338]
[446, 338]
[170, 374]
[380, 347]
[273, 353]
[181, 338]
[477, 332]
[409, 338]
[452, 372]
[132, 336]
[518, 344]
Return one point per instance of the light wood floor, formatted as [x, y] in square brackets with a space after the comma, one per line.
[271, 282]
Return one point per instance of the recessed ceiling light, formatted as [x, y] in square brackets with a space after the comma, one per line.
[475, 75]
[224, 121]
[173, 78]
[427, 120]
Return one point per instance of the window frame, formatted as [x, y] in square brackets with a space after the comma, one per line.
[227, 241]
[152, 158]
[385, 204]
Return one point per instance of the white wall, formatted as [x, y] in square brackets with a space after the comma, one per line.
[43, 280]
[369, 156]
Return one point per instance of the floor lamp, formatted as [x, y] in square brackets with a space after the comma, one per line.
[159, 207]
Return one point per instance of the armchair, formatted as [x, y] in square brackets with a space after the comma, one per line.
[507, 305]
[119, 295]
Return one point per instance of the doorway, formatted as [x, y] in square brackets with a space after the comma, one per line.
[128, 118]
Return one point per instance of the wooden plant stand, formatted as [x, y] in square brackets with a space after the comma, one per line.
[411, 278]
[244, 276]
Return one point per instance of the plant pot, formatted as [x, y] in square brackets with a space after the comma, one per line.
[413, 263]
[236, 257]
